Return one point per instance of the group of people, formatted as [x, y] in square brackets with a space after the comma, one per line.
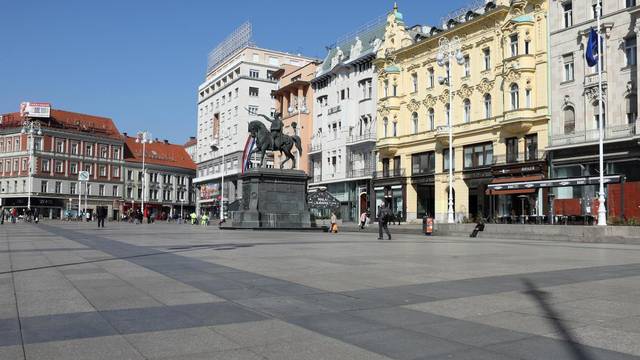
[384, 216]
[13, 215]
[199, 219]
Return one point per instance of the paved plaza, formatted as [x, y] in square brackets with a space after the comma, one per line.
[166, 291]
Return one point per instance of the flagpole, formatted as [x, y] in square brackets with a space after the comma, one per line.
[602, 212]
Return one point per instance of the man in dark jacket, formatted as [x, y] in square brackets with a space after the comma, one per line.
[384, 214]
[101, 214]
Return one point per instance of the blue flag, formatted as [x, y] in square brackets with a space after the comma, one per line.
[591, 54]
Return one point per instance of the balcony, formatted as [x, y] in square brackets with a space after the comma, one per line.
[389, 173]
[520, 158]
[360, 173]
[365, 137]
[314, 148]
[591, 80]
[592, 135]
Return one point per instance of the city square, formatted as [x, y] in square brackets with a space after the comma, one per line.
[342, 180]
[169, 291]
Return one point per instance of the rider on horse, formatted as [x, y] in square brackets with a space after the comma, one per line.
[276, 128]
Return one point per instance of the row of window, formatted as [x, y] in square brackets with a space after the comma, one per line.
[569, 114]
[321, 84]
[74, 189]
[477, 155]
[74, 168]
[167, 195]
[515, 105]
[567, 10]
[214, 169]
[153, 177]
[60, 147]
[6, 166]
[10, 144]
[630, 52]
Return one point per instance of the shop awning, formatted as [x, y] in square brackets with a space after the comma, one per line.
[528, 183]
[503, 186]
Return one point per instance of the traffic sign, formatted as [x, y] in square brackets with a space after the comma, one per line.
[83, 176]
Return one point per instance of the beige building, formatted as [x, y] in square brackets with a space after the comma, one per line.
[499, 116]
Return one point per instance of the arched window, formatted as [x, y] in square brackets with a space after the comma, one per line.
[515, 97]
[385, 124]
[569, 120]
[414, 122]
[467, 110]
[446, 113]
[395, 128]
[632, 108]
[487, 106]
[596, 115]
[432, 118]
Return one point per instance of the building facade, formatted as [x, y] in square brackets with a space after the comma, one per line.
[166, 183]
[499, 112]
[574, 134]
[294, 101]
[344, 128]
[239, 84]
[68, 143]
[191, 147]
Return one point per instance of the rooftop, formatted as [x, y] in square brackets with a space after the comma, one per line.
[158, 153]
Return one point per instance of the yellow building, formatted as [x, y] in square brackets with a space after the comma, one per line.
[499, 117]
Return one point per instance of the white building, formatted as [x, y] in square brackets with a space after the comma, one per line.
[573, 149]
[344, 116]
[239, 81]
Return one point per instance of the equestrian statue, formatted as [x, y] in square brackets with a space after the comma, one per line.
[274, 139]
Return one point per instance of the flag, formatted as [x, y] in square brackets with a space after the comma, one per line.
[591, 53]
[246, 154]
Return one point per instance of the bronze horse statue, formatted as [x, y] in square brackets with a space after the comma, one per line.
[266, 142]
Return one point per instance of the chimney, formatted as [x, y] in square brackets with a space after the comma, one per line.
[166, 141]
[192, 137]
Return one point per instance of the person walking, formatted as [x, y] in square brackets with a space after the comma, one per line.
[363, 220]
[101, 214]
[334, 223]
[384, 214]
[36, 215]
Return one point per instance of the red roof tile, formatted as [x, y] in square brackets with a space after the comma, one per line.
[158, 153]
[67, 120]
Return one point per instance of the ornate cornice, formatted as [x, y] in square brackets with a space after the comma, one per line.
[485, 85]
[444, 97]
[429, 101]
[465, 91]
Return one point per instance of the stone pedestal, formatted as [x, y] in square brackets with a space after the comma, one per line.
[273, 199]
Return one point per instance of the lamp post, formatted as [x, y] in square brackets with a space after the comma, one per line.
[300, 108]
[181, 209]
[216, 147]
[602, 211]
[447, 49]
[144, 138]
[30, 127]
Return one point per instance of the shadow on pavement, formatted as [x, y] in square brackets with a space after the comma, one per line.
[578, 350]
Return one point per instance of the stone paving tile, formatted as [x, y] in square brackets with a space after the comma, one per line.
[399, 316]
[628, 324]
[403, 344]
[9, 337]
[326, 349]
[180, 342]
[469, 333]
[539, 347]
[51, 302]
[337, 325]
[265, 332]
[532, 324]
[605, 338]
[102, 348]
[65, 327]
[283, 306]
[239, 354]
[11, 352]
[118, 297]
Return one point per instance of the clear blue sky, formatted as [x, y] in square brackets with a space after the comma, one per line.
[140, 61]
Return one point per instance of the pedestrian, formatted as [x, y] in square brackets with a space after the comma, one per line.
[363, 220]
[384, 215]
[14, 215]
[194, 218]
[101, 213]
[205, 220]
[334, 223]
[36, 215]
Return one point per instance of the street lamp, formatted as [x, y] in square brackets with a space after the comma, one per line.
[31, 127]
[300, 108]
[447, 49]
[144, 138]
[181, 211]
[217, 147]
[602, 211]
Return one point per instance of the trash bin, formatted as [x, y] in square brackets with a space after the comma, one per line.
[427, 225]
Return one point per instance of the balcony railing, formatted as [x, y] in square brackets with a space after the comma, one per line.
[592, 135]
[592, 79]
[315, 147]
[389, 173]
[358, 173]
[334, 110]
[369, 136]
[520, 158]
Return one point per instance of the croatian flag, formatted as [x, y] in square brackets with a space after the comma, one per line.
[591, 54]
[246, 154]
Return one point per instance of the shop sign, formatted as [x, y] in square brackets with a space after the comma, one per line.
[209, 191]
[322, 199]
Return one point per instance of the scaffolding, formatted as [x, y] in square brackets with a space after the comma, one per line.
[238, 39]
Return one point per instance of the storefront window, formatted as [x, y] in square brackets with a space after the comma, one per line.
[423, 163]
